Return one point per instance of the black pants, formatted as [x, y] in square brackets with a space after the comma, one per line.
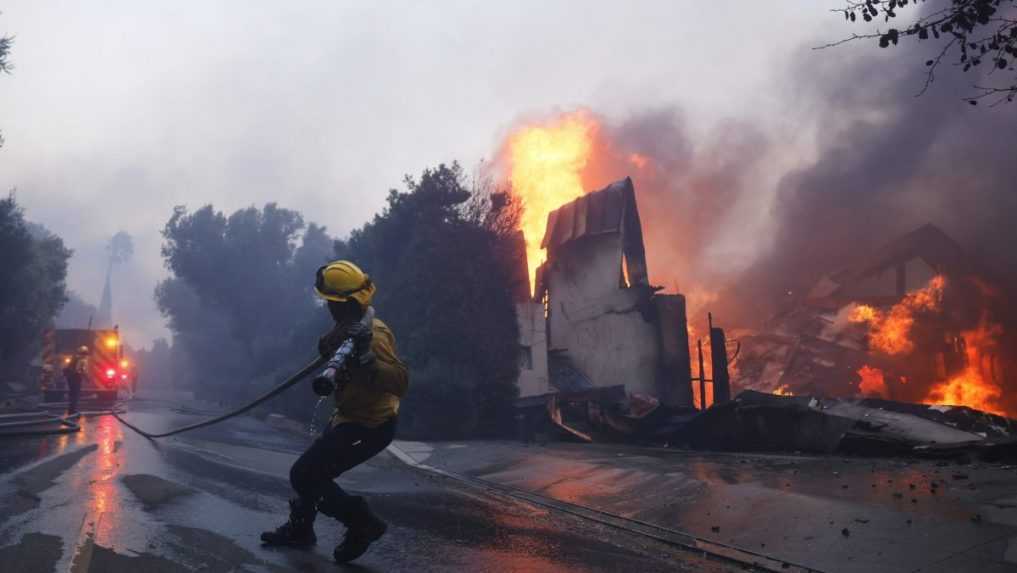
[73, 394]
[339, 449]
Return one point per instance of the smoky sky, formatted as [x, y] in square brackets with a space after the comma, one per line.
[114, 113]
[770, 155]
[889, 162]
[741, 213]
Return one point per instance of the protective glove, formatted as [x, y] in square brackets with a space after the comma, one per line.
[362, 336]
[330, 341]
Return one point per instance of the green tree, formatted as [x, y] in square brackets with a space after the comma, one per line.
[33, 287]
[436, 253]
[976, 34]
[240, 300]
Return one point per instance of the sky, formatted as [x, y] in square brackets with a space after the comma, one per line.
[116, 112]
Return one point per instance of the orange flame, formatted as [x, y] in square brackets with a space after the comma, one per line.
[545, 163]
[971, 387]
[783, 390]
[873, 382]
[890, 331]
[863, 313]
[974, 386]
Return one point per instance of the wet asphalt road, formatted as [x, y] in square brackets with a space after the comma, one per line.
[107, 500]
[833, 514]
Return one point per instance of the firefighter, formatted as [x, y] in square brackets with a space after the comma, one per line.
[367, 393]
[74, 373]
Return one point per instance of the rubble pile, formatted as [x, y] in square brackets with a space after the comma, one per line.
[757, 421]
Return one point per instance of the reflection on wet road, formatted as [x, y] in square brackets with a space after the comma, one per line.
[831, 514]
[108, 500]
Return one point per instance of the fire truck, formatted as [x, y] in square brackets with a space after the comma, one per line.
[108, 369]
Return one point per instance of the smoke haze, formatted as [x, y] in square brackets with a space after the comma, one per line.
[769, 162]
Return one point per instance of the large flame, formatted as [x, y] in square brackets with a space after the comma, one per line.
[972, 387]
[890, 331]
[546, 162]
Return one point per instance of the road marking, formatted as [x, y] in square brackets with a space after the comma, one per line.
[82, 560]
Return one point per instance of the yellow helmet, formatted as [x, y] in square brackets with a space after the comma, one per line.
[340, 281]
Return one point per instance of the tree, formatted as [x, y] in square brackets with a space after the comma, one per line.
[437, 257]
[5, 65]
[977, 34]
[5, 50]
[240, 300]
[120, 249]
[33, 288]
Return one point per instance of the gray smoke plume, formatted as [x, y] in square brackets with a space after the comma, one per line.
[887, 163]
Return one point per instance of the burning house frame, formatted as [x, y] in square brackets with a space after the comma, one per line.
[599, 343]
[899, 337]
[605, 355]
[911, 322]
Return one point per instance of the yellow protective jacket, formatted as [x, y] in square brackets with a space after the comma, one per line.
[371, 395]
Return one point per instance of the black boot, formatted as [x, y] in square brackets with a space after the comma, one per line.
[298, 531]
[363, 528]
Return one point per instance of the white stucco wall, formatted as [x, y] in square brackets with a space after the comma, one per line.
[533, 374]
[596, 321]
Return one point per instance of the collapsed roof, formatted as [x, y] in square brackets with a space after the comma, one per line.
[929, 244]
[609, 210]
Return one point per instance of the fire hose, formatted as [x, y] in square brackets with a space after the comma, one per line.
[314, 365]
[334, 364]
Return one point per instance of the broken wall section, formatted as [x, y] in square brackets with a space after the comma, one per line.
[601, 311]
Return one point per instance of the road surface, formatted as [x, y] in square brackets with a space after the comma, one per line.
[106, 500]
[834, 514]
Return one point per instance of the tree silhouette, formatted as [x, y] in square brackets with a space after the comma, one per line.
[978, 35]
[32, 289]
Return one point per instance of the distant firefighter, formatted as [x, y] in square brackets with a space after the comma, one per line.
[75, 372]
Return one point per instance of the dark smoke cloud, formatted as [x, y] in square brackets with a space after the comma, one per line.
[887, 163]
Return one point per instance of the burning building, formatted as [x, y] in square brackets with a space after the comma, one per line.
[916, 321]
[596, 327]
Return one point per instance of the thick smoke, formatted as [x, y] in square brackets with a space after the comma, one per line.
[889, 162]
[692, 193]
[744, 217]
[886, 161]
